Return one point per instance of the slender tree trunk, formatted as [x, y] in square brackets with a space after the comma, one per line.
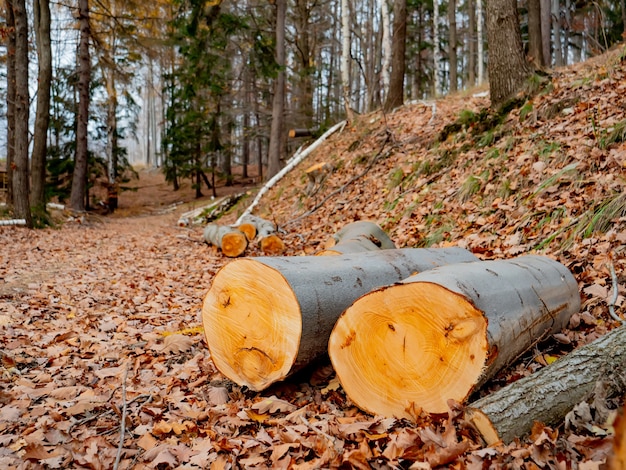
[385, 70]
[436, 51]
[42, 119]
[471, 60]
[623, 7]
[111, 127]
[480, 42]
[21, 186]
[396, 84]
[535, 45]
[345, 58]
[546, 19]
[507, 65]
[79, 178]
[452, 56]
[11, 86]
[556, 31]
[304, 108]
[566, 34]
[278, 105]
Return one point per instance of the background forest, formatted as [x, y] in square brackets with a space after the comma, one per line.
[195, 87]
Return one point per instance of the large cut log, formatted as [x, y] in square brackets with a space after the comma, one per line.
[549, 394]
[440, 334]
[269, 241]
[356, 237]
[267, 317]
[617, 461]
[231, 241]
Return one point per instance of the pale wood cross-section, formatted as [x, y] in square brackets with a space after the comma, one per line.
[442, 333]
[269, 240]
[231, 241]
[267, 317]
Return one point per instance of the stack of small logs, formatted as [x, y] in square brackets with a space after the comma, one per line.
[407, 330]
[233, 241]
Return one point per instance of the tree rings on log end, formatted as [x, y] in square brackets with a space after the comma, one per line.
[416, 346]
[252, 323]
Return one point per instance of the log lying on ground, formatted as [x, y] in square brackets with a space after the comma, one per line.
[440, 334]
[267, 317]
[356, 237]
[549, 394]
[231, 241]
[269, 241]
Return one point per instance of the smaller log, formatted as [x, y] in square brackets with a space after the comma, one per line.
[357, 237]
[249, 229]
[269, 241]
[231, 241]
[440, 334]
[549, 394]
[617, 461]
[294, 133]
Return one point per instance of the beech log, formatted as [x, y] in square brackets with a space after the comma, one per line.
[265, 230]
[617, 461]
[264, 318]
[231, 241]
[549, 394]
[442, 333]
[293, 133]
[356, 237]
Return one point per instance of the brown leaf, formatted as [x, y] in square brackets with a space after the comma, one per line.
[177, 343]
[273, 405]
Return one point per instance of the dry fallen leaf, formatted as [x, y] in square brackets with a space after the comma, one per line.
[177, 343]
[273, 405]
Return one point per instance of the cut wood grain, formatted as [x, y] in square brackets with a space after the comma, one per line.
[267, 317]
[549, 394]
[269, 240]
[440, 334]
[231, 241]
[355, 237]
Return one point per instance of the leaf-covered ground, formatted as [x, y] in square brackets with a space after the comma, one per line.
[104, 364]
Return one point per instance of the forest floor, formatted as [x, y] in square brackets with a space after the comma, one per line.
[103, 360]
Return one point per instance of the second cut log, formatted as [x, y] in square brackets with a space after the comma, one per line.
[442, 333]
[264, 318]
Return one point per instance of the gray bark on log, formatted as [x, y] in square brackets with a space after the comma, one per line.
[231, 241]
[442, 333]
[264, 318]
[549, 394]
[356, 237]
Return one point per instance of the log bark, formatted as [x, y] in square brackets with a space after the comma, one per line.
[549, 394]
[231, 241]
[264, 318]
[442, 333]
[294, 133]
[357, 237]
[265, 230]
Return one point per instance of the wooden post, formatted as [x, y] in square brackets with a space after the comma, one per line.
[442, 333]
[267, 317]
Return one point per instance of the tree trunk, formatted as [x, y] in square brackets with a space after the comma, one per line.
[452, 59]
[480, 42]
[556, 33]
[507, 65]
[545, 31]
[471, 60]
[395, 98]
[20, 175]
[267, 317]
[231, 241]
[436, 51]
[278, 104]
[42, 118]
[441, 334]
[79, 178]
[345, 58]
[11, 86]
[535, 45]
[549, 394]
[385, 69]
[357, 237]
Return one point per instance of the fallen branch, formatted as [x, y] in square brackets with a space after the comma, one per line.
[210, 211]
[549, 394]
[13, 222]
[293, 162]
[120, 446]
[344, 186]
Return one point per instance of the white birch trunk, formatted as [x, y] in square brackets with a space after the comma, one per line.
[436, 51]
[385, 71]
[345, 56]
[481, 44]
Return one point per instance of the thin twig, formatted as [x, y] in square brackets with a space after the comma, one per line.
[120, 446]
[614, 297]
[317, 431]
